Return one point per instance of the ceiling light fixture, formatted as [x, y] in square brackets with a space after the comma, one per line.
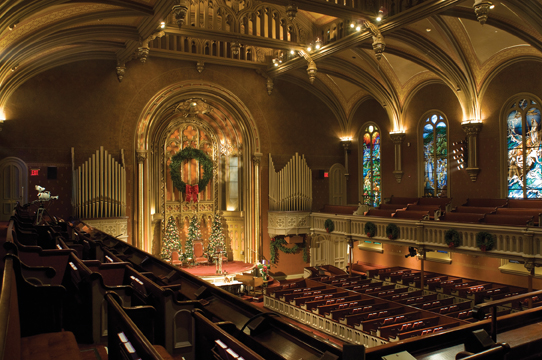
[318, 44]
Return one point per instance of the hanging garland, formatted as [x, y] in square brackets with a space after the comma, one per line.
[485, 241]
[329, 225]
[277, 243]
[369, 229]
[392, 231]
[187, 154]
[452, 238]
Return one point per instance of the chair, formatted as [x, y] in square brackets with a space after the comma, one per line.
[175, 261]
[199, 254]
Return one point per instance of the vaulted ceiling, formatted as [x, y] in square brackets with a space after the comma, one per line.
[422, 42]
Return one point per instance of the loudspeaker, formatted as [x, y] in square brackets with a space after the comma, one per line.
[353, 352]
[51, 173]
[478, 340]
[329, 356]
[200, 293]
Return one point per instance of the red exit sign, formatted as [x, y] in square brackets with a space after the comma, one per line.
[34, 172]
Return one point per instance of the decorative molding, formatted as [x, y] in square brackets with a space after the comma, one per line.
[269, 85]
[141, 156]
[121, 69]
[200, 66]
[378, 39]
[110, 226]
[143, 50]
[288, 223]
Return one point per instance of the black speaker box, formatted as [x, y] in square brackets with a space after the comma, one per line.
[51, 173]
[353, 352]
[478, 340]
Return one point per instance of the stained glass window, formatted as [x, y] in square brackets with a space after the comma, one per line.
[524, 150]
[372, 190]
[435, 156]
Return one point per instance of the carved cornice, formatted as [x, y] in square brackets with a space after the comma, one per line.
[141, 156]
[471, 128]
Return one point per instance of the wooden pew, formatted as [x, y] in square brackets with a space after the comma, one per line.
[435, 211]
[86, 304]
[379, 213]
[60, 345]
[339, 209]
[333, 304]
[415, 301]
[405, 295]
[525, 203]
[400, 315]
[475, 209]
[125, 340]
[426, 330]
[509, 220]
[462, 217]
[207, 346]
[310, 305]
[486, 202]
[393, 330]
[354, 307]
[445, 204]
[453, 308]
[393, 207]
[534, 212]
[411, 214]
[402, 200]
[323, 293]
[358, 316]
[173, 321]
[436, 304]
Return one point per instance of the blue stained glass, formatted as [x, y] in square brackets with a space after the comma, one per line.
[435, 152]
[524, 150]
[371, 167]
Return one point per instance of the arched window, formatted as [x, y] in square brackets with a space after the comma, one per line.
[372, 189]
[435, 156]
[524, 150]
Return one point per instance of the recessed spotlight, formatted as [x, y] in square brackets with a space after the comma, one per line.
[428, 30]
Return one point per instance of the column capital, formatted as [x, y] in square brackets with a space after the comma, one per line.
[257, 158]
[471, 128]
[141, 156]
[397, 138]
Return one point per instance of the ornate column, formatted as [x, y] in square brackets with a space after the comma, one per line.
[141, 158]
[397, 138]
[472, 128]
[256, 159]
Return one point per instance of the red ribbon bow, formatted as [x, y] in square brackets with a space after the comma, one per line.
[192, 193]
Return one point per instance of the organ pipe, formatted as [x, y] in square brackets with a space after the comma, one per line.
[290, 189]
[100, 186]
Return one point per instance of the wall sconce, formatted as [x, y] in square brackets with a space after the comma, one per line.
[381, 14]
[346, 141]
[481, 9]
[278, 60]
[318, 44]
[461, 153]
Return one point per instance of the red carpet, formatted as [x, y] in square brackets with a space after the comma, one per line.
[231, 267]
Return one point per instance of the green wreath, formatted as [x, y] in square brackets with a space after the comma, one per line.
[392, 231]
[452, 238]
[485, 241]
[187, 154]
[369, 229]
[329, 225]
[277, 243]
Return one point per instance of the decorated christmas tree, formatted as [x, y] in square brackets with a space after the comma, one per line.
[217, 238]
[194, 233]
[171, 240]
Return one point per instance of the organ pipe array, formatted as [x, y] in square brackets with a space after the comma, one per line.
[100, 186]
[291, 188]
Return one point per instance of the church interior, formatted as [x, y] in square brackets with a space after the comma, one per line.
[382, 155]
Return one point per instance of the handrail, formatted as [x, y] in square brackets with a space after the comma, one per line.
[479, 313]
[497, 352]
[8, 286]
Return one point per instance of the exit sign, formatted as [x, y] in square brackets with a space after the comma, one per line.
[34, 172]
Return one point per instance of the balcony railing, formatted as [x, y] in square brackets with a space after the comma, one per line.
[511, 242]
